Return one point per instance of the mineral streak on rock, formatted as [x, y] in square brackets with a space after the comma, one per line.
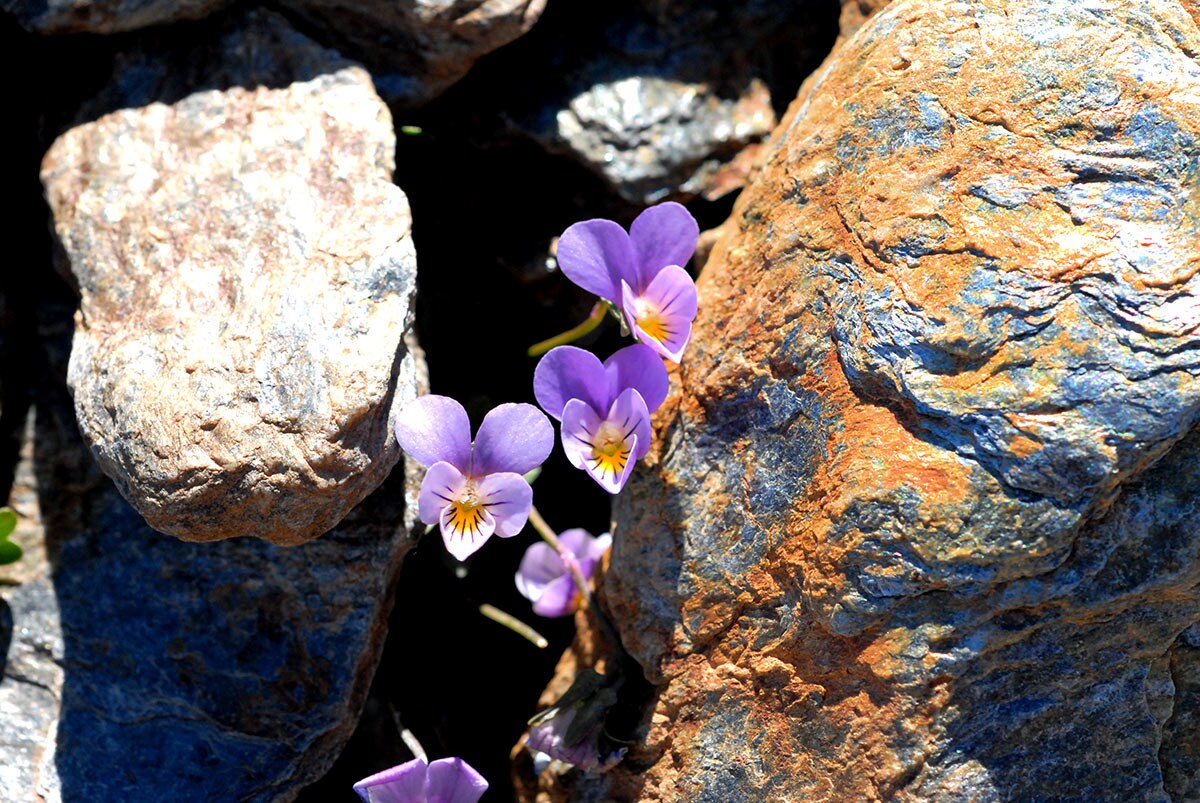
[246, 274]
[921, 523]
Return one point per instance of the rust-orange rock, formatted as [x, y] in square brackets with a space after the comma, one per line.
[903, 536]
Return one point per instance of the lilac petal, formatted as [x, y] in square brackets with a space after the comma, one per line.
[452, 780]
[443, 484]
[600, 544]
[465, 531]
[662, 235]
[631, 416]
[404, 783]
[507, 497]
[433, 429]
[549, 737]
[566, 373]
[540, 566]
[597, 255]
[661, 316]
[576, 541]
[579, 425]
[512, 437]
[560, 597]
[638, 367]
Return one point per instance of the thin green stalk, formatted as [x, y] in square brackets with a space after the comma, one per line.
[514, 624]
[571, 335]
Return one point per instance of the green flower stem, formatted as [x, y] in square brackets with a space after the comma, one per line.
[550, 537]
[571, 335]
[514, 624]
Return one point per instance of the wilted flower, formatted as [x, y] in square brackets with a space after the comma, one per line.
[641, 272]
[572, 730]
[473, 490]
[447, 780]
[544, 577]
[604, 408]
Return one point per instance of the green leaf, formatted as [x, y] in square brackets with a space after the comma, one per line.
[8, 521]
[9, 552]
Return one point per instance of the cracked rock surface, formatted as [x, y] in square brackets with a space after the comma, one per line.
[247, 274]
[925, 526]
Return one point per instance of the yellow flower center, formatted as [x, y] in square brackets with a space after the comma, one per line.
[467, 511]
[609, 449]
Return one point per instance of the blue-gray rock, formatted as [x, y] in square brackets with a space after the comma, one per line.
[136, 666]
[921, 521]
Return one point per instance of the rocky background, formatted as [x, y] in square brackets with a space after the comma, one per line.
[920, 523]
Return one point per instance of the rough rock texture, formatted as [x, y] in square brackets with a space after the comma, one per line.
[417, 48]
[670, 99]
[105, 16]
[925, 526]
[133, 662]
[653, 136]
[855, 13]
[247, 276]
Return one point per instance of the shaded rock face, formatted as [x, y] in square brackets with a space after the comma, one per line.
[921, 523]
[417, 48]
[246, 274]
[671, 99]
[105, 16]
[134, 666]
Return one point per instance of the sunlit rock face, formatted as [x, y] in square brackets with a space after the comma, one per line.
[246, 274]
[921, 519]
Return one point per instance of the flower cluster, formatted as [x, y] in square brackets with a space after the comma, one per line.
[476, 487]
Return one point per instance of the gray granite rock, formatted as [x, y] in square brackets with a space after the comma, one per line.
[141, 667]
[247, 274]
[668, 99]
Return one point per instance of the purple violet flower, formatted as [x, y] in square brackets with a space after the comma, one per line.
[604, 408]
[640, 272]
[544, 577]
[447, 780]
[473, 490]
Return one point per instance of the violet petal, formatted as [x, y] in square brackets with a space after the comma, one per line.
[452, 780]
[631, 416]
[512, 437]
[576, 541]
[638, 367]
[443, 484]
[540, 565]
[579, 425]
[507, 497]
[566, 373]
[599, 545]
[658, 317]
[560, 597]
[404, 783]
[597, 255]
[465, 530]
[435, 428]
[662, 235]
